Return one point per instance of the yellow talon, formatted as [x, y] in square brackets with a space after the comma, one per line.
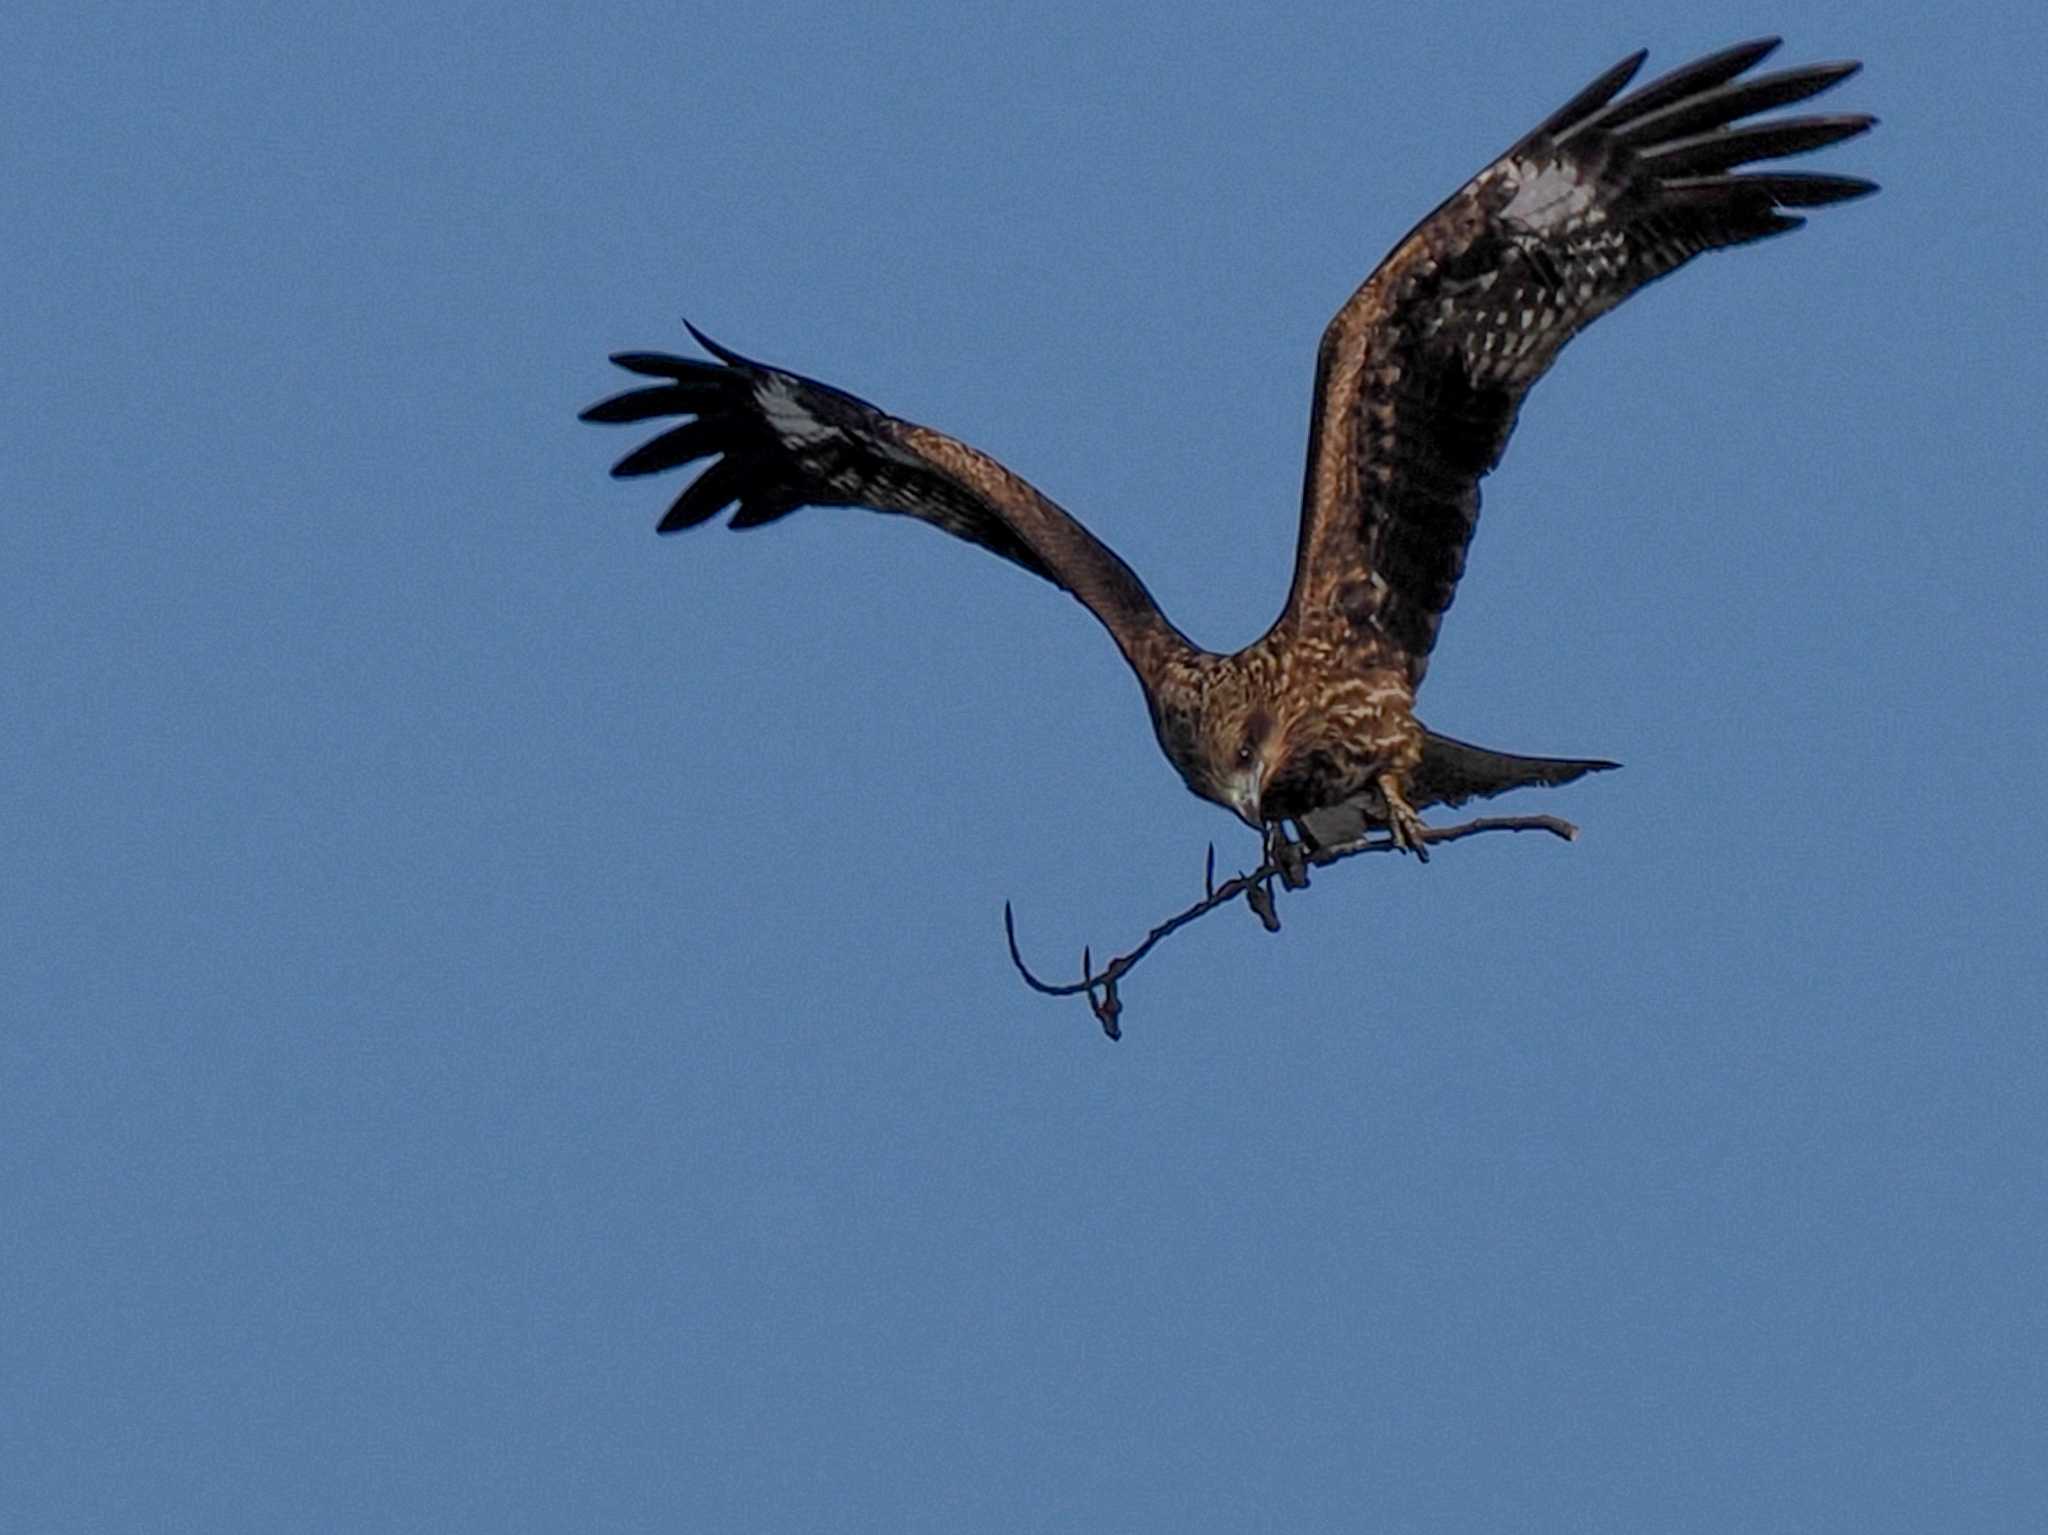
[1403, 824]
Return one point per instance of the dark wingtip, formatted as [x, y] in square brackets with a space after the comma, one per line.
[1702, 74]
[705, 497]
[1795, 189]
[651, 364]
[1751, 54]
[1592, 98]
[724, 354]
[664, 365]
[677, 399]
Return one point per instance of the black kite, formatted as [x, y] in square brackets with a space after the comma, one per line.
[1418, 382]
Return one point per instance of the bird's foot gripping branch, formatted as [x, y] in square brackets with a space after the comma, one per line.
[1290, 867]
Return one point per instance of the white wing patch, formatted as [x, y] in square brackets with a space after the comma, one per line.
[1549, 196]
[803, 431]
[786, 414]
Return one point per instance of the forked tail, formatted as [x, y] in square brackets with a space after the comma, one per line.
[1452, 772]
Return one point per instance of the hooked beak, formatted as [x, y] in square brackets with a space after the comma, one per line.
[1244, 800]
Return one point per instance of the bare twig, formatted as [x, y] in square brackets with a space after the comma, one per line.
[1257, 889]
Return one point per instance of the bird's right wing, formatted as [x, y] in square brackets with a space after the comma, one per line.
[783, 441]
[1422, 372]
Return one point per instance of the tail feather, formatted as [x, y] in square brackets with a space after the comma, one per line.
[1451, 771]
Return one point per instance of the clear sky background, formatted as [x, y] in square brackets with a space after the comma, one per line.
[506, 1018]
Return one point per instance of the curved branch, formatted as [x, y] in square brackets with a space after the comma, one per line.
[1257, 889]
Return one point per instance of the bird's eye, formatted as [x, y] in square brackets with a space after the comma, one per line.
[1244, 754]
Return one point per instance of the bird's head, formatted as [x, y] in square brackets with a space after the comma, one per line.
[1225, 745]
[1243, 747]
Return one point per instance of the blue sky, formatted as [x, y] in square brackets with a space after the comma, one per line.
[507, 1023]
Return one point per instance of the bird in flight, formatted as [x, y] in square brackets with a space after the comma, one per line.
[1418, 382]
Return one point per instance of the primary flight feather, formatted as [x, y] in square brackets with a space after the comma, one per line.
[1418, 382]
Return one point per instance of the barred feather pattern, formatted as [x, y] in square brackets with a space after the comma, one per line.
[1421, 375]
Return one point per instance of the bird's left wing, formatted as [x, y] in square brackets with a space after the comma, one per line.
[1422, 372]
[782, 441]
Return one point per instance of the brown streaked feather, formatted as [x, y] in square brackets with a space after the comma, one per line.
[1421, 374]
[1419, 379]
[784, 441]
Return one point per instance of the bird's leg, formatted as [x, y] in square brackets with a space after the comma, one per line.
[1287, 856]
[1402, 821]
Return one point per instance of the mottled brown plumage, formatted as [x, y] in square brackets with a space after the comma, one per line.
[1418, 382]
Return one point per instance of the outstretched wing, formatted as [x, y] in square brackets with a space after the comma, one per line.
[782, 441]
[1422, 372]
